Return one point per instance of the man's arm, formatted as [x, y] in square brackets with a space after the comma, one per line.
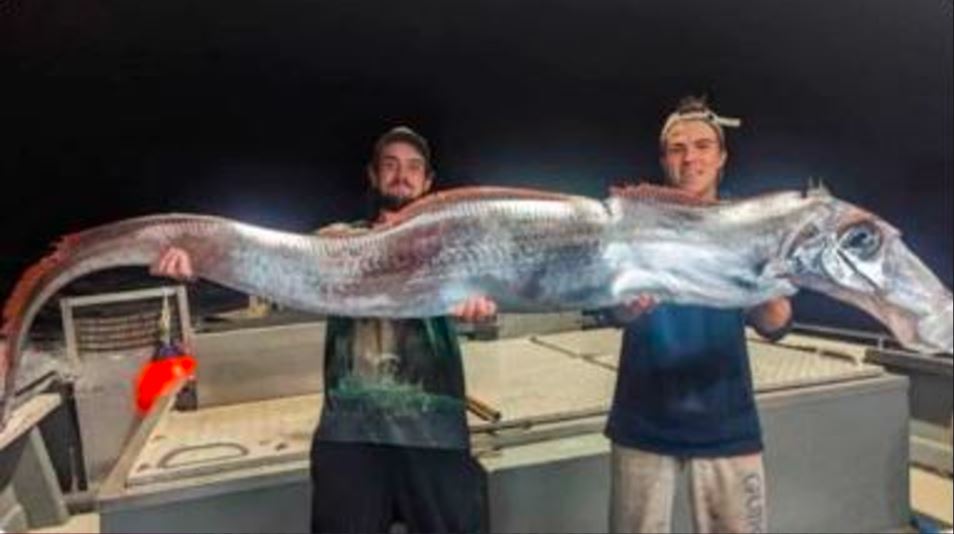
[772, 319]
[620, 316]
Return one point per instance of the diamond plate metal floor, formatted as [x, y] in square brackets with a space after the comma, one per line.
[774, 366]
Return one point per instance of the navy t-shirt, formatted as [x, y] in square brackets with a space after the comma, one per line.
[684, 386]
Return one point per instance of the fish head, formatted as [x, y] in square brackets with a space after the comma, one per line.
[854, 256]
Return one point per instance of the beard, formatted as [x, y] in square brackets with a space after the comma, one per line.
[379, 202]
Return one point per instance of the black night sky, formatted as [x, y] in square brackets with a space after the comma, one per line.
[265, 110]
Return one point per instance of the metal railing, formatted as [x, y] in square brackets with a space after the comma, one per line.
[122, 320]
[875, 339]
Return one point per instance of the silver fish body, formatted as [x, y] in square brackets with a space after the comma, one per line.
[532, 251]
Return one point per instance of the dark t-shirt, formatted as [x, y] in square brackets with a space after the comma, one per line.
[684, 386]
[394, 382]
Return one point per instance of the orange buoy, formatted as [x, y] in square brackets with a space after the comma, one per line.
[159, 375]
[167, 365]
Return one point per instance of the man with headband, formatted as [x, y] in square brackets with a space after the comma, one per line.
[684, 397]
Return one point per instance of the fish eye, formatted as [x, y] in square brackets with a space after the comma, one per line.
[863, 240]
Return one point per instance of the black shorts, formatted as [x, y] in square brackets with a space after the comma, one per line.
[360, 487]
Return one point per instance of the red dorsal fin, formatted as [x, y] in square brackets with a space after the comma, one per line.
[657, 193]
[34, 275]
[461, 194]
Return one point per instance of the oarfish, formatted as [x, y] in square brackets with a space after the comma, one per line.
[532, 251]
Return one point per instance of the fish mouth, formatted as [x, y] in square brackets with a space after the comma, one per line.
[917, 305]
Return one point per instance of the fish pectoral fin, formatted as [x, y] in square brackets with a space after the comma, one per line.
[775, 269]
[777, 275]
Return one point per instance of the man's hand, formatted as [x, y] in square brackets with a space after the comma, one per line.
[174, 263]
[475, 309]
[634, 309]
[772, 319]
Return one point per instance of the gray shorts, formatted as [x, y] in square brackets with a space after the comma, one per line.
[726, 494]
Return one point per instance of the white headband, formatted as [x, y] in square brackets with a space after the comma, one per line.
[708, 116]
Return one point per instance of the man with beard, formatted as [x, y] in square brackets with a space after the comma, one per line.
[392, 444]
